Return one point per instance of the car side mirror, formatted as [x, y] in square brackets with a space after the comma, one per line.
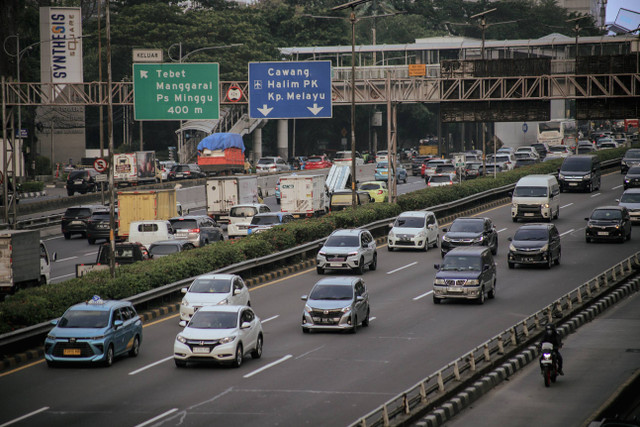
[359, 298]
[618, 200]
[54, 322]
[391, 225]
[586, 219]
[436, 266]
[509, 239]
[304, 297]
[236, 291]
[183, 323]
[118, 323]
[444, 230]
[184, 290]
[54, 257]
[485, 267]
[245, 325]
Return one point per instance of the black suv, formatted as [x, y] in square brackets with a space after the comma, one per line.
[535, 244]
[74, 220]
[416, 164]
[185, 171]
[631, 158]
[466, 231]
[608, 223]
[466, 273]
[580, 172]
[82, 181]
[99, 226]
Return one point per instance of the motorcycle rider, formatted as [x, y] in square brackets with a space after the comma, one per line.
[551, 336]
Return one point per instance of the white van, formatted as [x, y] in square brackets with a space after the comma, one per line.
[147, 232]
[535, 197]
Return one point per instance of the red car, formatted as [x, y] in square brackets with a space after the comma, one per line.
[317, 162]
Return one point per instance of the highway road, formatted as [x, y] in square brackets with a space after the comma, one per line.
[319, 379]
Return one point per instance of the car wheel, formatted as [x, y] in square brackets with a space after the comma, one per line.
[492, 292]
[374, 263]
[320, 270]
[108, 359]
[365, 322]
[239, 357]
[69, 193]
[511, 265]
[442, 254]
[91, 241]
[135, 349]
[257, 352]
[588, 239]
[51, 364]
[557, 261]
[549, 261]
[389, 248]
[558, 212]
[480, 299]
[436, 300]
[360, 268]
[305, 330]
[354, 329]
[180, 363]
[435, 242]
[494, 250]
[404, 181]
[514, 219]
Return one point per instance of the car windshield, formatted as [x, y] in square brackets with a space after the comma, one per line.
[382, 165]
[266, 161]
[630, 198]
[343, 241]
[184, 224]
[606, 214]
[210, 286]
[461, 263]
[370, 186]
[531, 234]
[632, 154]
[558, 149]
[265, 220]
[77, 175]
[467, 226]
[634, 170]
[576, 164]
[409, 222]
[445, 168]
[164, 249]
[340, 155]
[242, 212]
[101, 216]
[521, 191]
[439, 178]
[331, 292]
[78, 212]
[434, 163]
[84, 319]
[214, 320]
[314, 159]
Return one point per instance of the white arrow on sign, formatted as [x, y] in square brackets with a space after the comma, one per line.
[264, 110]
[144, 74]
[315, 109]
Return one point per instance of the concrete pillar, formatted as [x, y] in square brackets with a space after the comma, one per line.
[257, 144]
[283, 138]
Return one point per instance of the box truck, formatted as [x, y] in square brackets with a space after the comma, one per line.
[303, 195]
[24, 260]
[224, 192]
[139, 205]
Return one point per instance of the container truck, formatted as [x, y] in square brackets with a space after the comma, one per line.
[221, 153]
[24, 260]
[224, 192]
[140, 205]
[135, 168]
[303, 195]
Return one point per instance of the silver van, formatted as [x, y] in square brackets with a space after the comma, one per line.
[536, 197]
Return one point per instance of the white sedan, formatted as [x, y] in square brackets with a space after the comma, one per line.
[222, 334]
[213, 289]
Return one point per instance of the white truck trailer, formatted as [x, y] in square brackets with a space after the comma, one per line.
[24, 260]
[303, 195]
[226, 191]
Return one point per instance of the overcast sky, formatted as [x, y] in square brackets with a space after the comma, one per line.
[614, 5]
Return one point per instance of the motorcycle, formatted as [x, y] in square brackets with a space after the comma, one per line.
[548, 363]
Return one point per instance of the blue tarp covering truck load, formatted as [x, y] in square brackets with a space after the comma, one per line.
[221, 153]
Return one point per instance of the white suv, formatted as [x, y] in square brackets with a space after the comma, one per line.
[240, 218]
[343, 158]
[348, 250]
[414, 230]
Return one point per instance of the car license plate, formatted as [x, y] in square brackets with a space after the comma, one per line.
[573, 184]
[528, 214]
[384, 173]
[201, 350]
[335, 264]
[455, 290]
[602, 233]
[179, 175]
[72, 352]
[76, 223]
[78, 182]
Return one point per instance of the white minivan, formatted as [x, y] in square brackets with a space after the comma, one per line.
[414, 230]
[536, 197]
[147, 232]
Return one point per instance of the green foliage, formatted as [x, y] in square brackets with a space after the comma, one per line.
[30, 186]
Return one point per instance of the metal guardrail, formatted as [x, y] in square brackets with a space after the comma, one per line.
[440, 385]
[162, 292]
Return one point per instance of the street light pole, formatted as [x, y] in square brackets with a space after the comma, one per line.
[112, 194]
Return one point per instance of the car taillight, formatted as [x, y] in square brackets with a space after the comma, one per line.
[380, 191]
[194, 230]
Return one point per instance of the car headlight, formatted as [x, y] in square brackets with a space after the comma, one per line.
[545, 206]
[561, 176]
[51, 337]
[307, 308]
[623, 162]
[446, 238]
[512, 248]
[626, 180]
[587, 176]
[224, 301]
[478, 239]
[181, 339]
[96, 338]
[352, 253]
[439, 282]
[421, 234]
[185, 303]
[472, 282]
[346, 309]
[323, 253]
[392, 235]
[514, 205]
[226, 340]
[545, 248]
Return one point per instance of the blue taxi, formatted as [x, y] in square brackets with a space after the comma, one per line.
[382, 172]
[94, 331]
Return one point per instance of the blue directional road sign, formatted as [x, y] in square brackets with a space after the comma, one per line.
[290, 90]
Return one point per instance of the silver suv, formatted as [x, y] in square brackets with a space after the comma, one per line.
[348, 250]
[339, 303]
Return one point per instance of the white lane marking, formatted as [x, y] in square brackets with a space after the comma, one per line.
[63, 276]
[567, 232]
[566, 206]
[144, 368]
[67, 259]
[90, 253]
[52, 238]
[402, 268]
[617, 186]
[422, 296]
[257, 371]
[309, 352]
[594, 195]
[501, 230]
[154, 419]
[270, 318]
[372, 318]
[30, 414]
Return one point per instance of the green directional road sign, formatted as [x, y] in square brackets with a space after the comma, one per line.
[183, 91]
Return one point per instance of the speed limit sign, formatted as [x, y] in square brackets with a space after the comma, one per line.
[100, 165]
